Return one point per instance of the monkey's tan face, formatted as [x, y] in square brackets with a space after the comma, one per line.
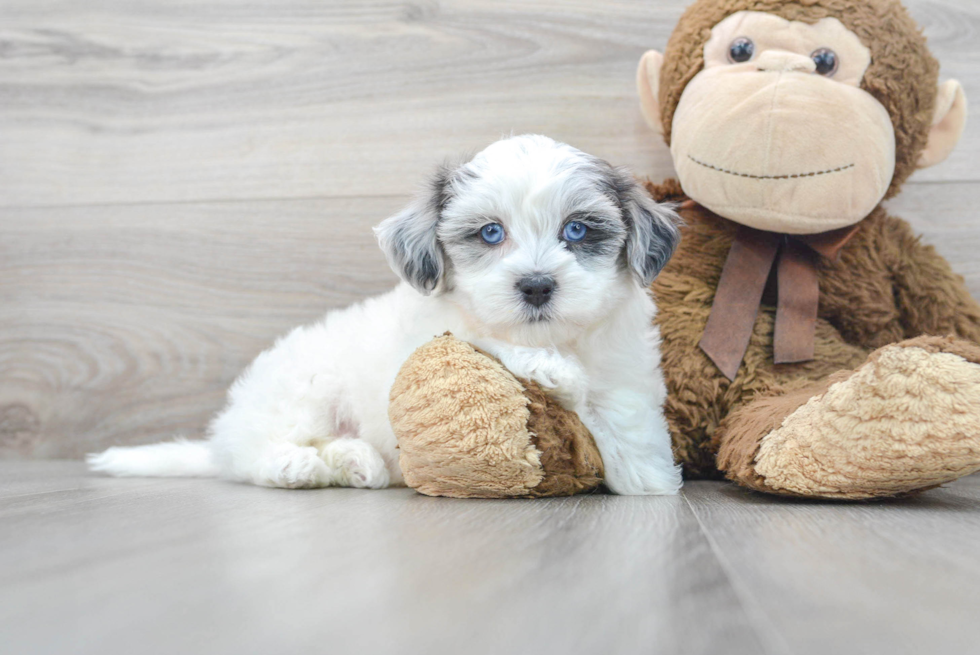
[776, 133]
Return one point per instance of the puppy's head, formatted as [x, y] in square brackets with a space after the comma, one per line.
[533, 238]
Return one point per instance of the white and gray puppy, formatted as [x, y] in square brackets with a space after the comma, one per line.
[534, 251]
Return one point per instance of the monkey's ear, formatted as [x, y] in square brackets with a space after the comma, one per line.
[409, 239]
[648, 85]
[947, 124]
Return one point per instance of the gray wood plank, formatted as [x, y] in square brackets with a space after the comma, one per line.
[18, 481]
[125, 324]
[892, 577]
[119, 101]
[196, 566]
[945, 214]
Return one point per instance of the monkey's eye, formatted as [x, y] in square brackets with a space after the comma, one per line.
[741, 50]
[826, 61]
[492, 233]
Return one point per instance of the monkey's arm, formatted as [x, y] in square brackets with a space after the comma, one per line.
[931, 297]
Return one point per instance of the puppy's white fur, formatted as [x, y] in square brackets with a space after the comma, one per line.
[312, 410]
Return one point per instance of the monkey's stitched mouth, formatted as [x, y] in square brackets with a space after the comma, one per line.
[771, 177]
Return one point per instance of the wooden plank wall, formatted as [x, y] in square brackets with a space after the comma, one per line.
[181, 181]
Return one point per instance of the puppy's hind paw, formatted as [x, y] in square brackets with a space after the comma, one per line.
[293, 467]
[355, 463]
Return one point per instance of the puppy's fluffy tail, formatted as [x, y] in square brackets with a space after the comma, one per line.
[172, 459]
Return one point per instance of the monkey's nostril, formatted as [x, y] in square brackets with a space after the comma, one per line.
[536, 289]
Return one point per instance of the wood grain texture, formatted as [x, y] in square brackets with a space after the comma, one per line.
[126, 324]
[190, 566]
[947, 215]
[202, 127]
[154, 100]
[892, 577]
[181, 182]
[100, 565]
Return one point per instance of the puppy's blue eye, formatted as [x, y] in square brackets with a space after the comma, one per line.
[492, 233]
[574, 231]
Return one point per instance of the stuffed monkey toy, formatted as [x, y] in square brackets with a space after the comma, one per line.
[467, 428]
[813, 346]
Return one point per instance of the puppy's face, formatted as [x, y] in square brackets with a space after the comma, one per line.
[534, 239]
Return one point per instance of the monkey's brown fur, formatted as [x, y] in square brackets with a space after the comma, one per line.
[903, 75]
[886, 287]
[467, 428]
[889, 405]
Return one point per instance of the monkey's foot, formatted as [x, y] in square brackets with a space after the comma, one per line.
[907, 420]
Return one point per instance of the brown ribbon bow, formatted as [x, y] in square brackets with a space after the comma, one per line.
[739, 294]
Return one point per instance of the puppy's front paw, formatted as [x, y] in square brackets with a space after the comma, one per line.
[644, 480]
[562, 376]
[641, 475]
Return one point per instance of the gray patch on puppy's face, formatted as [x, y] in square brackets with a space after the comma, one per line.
[461, 237]
[652, 229]
[409, 239]
[582, 197]
[604, 237]
[533, 188]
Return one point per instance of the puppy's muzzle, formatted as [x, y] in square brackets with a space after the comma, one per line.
[536, 289]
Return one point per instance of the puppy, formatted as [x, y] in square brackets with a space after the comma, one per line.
[534, 251]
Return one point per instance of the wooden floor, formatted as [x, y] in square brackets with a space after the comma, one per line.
[181, 182]
[106, 566]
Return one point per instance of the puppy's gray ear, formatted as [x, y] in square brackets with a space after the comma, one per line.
[653, 228]
[409, 239]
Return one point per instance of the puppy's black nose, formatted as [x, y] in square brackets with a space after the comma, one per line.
[536, 289]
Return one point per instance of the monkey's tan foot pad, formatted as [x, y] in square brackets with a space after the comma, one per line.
[467, 428]
[906, 420]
